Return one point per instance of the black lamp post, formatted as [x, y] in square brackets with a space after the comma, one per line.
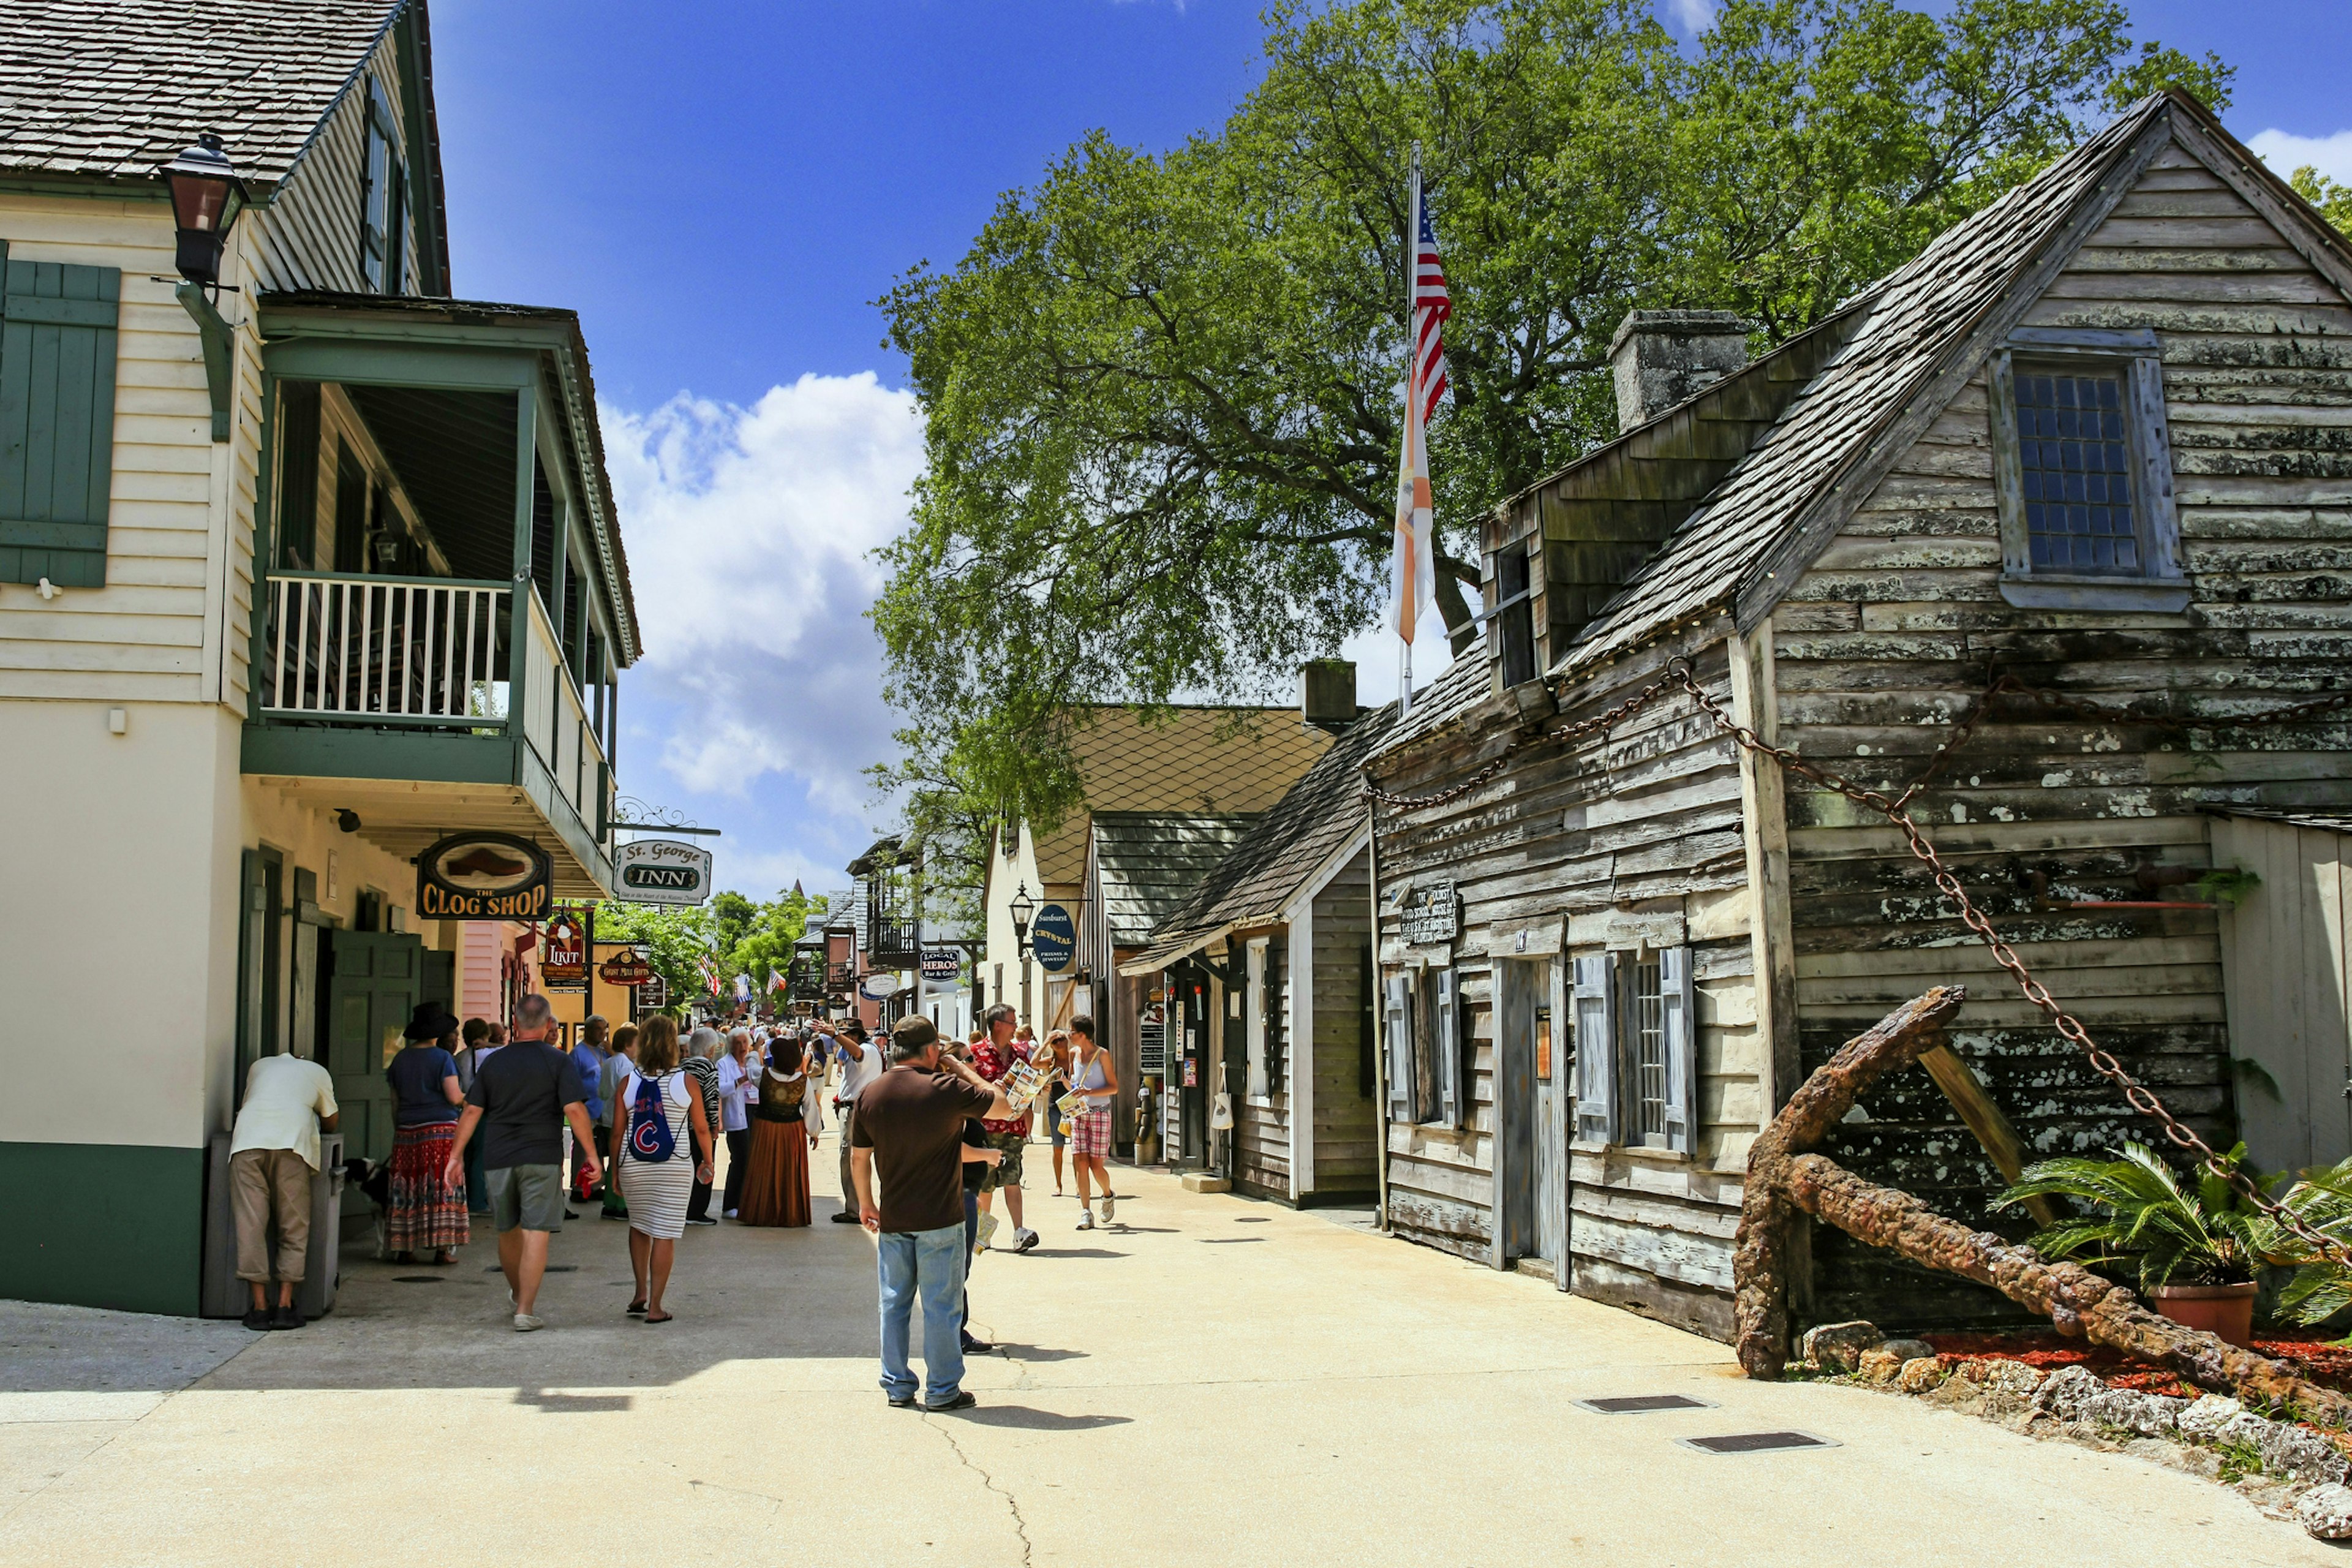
[1023, 906]
[206, 196]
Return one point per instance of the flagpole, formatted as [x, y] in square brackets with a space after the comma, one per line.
[1412, 363]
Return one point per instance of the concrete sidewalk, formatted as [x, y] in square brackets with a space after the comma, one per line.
[1209, 1381]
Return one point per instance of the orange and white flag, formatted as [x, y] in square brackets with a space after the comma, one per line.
[1428, 305]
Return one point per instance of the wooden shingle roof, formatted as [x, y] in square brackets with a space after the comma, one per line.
[1281, 852]
[116, 88]
[1146, 861]
[1201, 761]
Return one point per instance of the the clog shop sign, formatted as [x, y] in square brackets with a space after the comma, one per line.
[483, 877]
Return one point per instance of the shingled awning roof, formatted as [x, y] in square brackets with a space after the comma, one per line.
[1280, 854]
[1146, 861]
[115, 89]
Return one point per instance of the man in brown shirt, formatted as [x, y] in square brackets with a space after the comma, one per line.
[908, 1131]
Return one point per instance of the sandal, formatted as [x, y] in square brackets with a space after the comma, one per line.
[664, 1317]
[637, 1308]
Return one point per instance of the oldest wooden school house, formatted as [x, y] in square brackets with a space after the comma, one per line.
[2098, 436]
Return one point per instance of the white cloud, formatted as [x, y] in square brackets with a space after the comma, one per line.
[1691, 16]
[749, 530]
[2285, 153]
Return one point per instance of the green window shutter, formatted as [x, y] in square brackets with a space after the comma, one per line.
[57, 420]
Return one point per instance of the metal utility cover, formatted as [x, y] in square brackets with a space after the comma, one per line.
[1643, 1404]
[1757, 1441]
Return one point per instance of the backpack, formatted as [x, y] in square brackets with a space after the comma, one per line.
[650, 1139]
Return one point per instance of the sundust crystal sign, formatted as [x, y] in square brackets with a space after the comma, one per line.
[662, 871]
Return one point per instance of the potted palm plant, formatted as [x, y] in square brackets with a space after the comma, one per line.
[2193, 1244]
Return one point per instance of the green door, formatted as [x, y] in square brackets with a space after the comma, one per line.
[375, 987]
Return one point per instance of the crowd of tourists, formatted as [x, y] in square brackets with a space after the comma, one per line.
[511, 1128]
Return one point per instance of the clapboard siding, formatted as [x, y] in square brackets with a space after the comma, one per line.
[2255, 347]
[1346, 1120]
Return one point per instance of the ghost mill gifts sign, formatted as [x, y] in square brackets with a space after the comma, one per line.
[661, 871]
[1431, 914]
[483, 877]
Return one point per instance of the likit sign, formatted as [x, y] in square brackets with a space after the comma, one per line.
[662, 871]
[483, 877]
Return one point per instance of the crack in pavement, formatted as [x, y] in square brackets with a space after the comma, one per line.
[1012, 1503]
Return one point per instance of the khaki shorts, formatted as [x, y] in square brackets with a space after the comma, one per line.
[1008, 1173]
[527, 1197]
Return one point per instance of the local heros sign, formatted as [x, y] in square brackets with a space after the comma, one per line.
[942, 963]
[1053, 938]
[483, 877]
[662, 871]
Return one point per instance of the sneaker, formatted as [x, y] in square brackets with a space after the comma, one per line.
[525, 1322]
[1085, 1219]
[845, 1217]
[902, 1401]
[571, 1213]
[256, 1318]
[1109, 1208]
[988, 1223]
[286, 1317]
[700, 1219]
[731, 1214]
[1023, 1238]
[962, 1401]
[976, 1347]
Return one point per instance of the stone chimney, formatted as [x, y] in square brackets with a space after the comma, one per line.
[1328, 692]
[1661, 357]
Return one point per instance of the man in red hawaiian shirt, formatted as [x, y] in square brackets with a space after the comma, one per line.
[992, 1058]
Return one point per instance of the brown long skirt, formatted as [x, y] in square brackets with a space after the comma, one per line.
[776, 1187]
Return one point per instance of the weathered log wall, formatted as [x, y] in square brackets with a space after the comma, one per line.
[1884, 640]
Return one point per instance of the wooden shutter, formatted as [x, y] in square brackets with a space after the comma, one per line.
[298, 475]
[1447, 1037]
[1399, 1044]
[1271, 997]
[1681, 1049]
[57, 419]
[1595, 987]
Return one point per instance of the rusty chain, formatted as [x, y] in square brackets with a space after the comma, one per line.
[1679, 675]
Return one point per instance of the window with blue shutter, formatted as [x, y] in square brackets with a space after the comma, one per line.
[57, 419]
[1452, 1042]
[1678, 1016]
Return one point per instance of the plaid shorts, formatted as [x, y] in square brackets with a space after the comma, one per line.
[1090, 1133]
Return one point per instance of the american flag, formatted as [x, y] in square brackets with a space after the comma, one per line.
[1425, 383]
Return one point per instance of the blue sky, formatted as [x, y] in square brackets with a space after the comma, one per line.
[723, 192]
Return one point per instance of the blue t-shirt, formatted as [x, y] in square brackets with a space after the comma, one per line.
[415, 1075]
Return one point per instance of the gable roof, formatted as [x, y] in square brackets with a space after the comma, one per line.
[1280, 854]
[1202, 761]
[116, 88]
[1448, 698]
[1146, 861]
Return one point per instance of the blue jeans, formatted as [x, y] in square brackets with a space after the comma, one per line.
[932, 1262]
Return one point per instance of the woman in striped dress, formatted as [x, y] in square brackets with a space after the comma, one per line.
[657, 1189]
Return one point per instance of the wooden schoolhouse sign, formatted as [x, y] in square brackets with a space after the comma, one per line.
[1431, 913]
[483, 877]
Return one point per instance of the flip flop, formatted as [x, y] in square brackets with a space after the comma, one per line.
[664, 1317]
[637, 1308]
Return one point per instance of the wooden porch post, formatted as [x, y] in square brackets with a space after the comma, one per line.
[519, 618]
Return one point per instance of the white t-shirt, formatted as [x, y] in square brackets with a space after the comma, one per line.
[284, 1099]
[855, 1075]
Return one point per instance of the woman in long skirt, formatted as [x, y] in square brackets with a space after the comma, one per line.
[425, 1211]
[657, 1189]
[783, 1130]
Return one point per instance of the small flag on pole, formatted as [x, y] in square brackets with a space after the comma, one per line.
[1428, 307]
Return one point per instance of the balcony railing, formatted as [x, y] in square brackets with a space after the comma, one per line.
[556, 723]
[415, 651]
[894, 944]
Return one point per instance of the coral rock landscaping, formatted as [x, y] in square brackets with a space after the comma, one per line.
[2049, 1387]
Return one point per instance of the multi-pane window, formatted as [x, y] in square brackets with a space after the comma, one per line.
[2074, 458]
[1650, 1051]
[1515, 616]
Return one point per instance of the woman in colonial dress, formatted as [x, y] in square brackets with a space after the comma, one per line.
[783, 1130]
[656, 1090]
[426, 1212]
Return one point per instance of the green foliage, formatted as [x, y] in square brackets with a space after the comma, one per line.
[1162, 392]
[2171, 1230]
[2322, 1285]
[2228, 885]
[744, 937]
[675, 939]
[2332, 197]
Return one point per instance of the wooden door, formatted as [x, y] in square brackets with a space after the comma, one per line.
[2286, 979]
[1516, 1175]
[376, 983]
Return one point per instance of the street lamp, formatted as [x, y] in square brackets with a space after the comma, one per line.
[1024, 906]
[206, 196]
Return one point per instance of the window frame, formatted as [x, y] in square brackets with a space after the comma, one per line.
[2160, 584]
[384, 249]
[1513, 616]
[1604, 1000]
